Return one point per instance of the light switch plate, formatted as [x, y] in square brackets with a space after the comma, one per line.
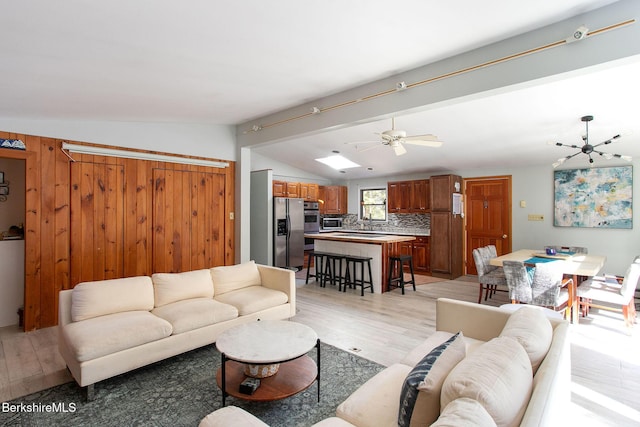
[536, 217]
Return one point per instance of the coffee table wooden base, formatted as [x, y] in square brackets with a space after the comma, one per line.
[292, 377]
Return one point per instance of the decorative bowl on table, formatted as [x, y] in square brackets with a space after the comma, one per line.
[261, 371]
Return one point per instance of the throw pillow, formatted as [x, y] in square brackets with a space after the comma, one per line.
[532, 329]
[233, 277]
[420, 395]
[464, 412]
[498, 375]
[93, 299]
[172, 287]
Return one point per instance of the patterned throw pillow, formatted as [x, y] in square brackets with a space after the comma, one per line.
[420, 396]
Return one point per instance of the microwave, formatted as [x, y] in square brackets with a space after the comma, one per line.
[331, 223]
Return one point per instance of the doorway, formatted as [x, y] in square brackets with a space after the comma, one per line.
[488, 216]
[12, 249]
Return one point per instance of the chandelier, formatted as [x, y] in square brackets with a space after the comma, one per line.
[589, 149]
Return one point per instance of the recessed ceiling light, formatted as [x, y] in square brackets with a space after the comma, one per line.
[338, 162]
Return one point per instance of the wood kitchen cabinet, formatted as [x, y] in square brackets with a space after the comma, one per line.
[420, 253]
[309, 191]
[335, 199]
[408, 196]
[293, 189]
[279, 189]
[446, 228]
[420, 196]
[398, 196]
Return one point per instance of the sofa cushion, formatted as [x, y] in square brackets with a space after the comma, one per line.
[99, 336]
[498, 375]
[253, 299]
[93, 299]
[420, 396]
[195, 313]
[233, 277]
[464, 412]
[172, 287]
[231, 416]
[532, 329]
[376, 402]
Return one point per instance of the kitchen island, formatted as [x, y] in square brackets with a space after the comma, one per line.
[378, 246]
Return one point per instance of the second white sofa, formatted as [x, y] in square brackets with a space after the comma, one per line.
[110, 327]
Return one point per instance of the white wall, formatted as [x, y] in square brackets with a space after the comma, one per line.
[285, 172]
[535, 186]
[215, 141]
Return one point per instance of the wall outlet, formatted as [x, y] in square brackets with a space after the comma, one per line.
[536, 217]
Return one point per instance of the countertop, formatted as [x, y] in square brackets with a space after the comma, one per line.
[360, 237]
[403, 232]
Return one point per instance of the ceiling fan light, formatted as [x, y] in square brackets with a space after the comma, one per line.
[627, 158]
[608, 156]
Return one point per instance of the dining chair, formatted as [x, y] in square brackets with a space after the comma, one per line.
[541, 284]
[518, 282]
[490, 277]
[617, 292]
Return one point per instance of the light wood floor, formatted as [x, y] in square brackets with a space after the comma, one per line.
[605, 356]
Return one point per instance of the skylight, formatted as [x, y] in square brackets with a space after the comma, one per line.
[338, 162]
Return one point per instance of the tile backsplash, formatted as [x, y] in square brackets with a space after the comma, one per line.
[404, 223]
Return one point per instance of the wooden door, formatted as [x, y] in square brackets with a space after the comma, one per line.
[488, 216]
[97, 221]
[187, 231]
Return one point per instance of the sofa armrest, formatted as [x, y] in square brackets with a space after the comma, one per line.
[280, 279]
[64, 307]
[481, 322]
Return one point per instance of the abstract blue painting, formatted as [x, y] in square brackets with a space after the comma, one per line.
[594, 197]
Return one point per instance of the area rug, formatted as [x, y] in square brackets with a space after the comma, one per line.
[181, 391]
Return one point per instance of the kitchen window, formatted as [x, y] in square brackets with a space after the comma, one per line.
[373, 204]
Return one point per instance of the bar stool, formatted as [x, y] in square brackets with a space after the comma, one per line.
[398, 261]
[333, 269]
[318, 263]
[354, 261]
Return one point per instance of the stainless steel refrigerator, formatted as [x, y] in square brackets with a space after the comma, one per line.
[288, 232]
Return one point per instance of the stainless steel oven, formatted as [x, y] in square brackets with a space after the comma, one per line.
[311, 222]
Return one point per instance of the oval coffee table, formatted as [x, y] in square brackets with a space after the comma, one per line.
[277, 350]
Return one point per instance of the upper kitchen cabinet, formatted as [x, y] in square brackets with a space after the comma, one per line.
[309, 191]
[420, 196]
[335, 199]
[279, 189]
[398, 196]
[293, 189]
[442, 188]
[408, 196]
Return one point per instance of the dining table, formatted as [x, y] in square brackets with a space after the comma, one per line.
[578, 266]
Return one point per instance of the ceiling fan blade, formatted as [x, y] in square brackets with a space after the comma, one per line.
[427, 137]
[399, 149]
[424, 143]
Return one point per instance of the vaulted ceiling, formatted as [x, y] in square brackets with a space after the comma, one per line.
[234, 62]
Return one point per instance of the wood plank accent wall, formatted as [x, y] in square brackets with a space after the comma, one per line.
[94, 219]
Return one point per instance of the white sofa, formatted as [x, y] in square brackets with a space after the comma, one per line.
[110, 327]
[503, 369]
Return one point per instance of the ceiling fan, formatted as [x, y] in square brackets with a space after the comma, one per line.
[395, 139]
[588, 149]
